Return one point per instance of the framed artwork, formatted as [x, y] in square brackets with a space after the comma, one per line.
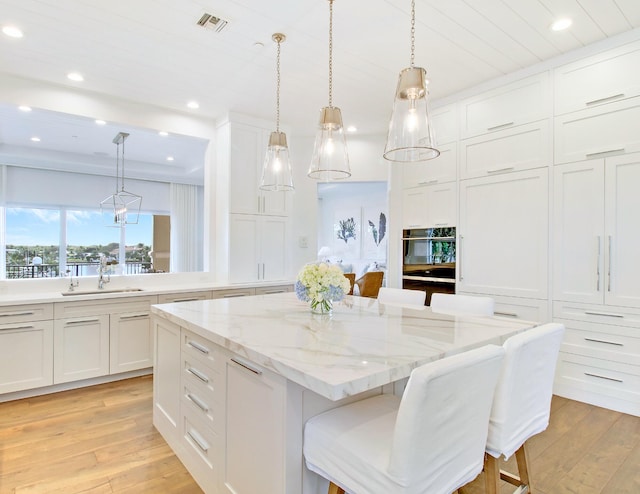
[374, 234]
[347, 229]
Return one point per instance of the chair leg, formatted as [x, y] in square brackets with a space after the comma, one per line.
[523, 465]
[334, 489]
[491, 474]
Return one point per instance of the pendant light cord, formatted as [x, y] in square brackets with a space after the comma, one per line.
[122, 164]
[278, 88]
[330, 53]
[413, 31]
[117, 165]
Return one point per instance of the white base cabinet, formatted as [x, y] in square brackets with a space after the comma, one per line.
[80, 348]
[130, 345]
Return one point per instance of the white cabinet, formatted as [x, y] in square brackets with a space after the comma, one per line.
[130, 341]
[429, 206]
[598, 132]
[520, 102]
[80, 348]
[516, 148]
[248, 145]
[442, 169]
[596, 232]
[168, 298]
[255, 445]
[26, 347]
[166, 379]
[503, 235]
[445, 124]
[259, 248]
[609, 76]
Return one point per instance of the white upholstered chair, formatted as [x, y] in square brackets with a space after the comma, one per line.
[522, 401]
[432, 440]
[447, 303]
[401, 296]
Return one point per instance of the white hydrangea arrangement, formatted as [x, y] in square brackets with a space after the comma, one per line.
[321, 284]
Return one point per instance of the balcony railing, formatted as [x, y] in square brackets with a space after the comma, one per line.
[16, 271]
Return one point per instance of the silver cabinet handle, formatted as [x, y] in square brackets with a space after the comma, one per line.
[507, 314]
[198, 374]
[198, 346]
[429, 182]
[598, 266]
[81, 321]
[270, 292]
[246, 366]
[501, 126]
[460, 278]
[603, 377]
[185, 300]
[604, 100]
[604, 314]
[234, 295]
[601, 153]
[200, 442]
[498, 170]
[14, 314]
[17, 328]
[615, 343]
[609, 267]
[135, 316]
[198, 402]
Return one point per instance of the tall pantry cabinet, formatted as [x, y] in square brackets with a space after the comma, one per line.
[259, 222]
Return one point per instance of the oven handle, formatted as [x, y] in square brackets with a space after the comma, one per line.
[459, 256]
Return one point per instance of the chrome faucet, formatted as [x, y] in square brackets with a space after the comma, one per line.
[102, 270]
[72, 284]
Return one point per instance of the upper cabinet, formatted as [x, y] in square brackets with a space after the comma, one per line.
[442, 169]
[610, 76]
[520, 102]
[445, 124]
[248, 145]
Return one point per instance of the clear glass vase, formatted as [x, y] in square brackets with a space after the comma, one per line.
[323, 307]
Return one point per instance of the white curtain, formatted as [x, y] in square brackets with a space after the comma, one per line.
[186, 227]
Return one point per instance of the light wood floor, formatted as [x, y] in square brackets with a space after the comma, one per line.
[101, 440]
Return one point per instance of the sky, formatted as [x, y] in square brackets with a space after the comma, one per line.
[42, 227]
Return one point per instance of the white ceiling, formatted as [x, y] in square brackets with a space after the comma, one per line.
[152, 51]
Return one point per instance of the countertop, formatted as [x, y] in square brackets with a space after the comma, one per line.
[363, 345]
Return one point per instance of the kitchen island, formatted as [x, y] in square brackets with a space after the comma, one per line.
[236, 379]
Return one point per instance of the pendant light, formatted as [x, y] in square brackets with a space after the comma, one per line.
[276, 172]
[121, 208]
[410, 137]
[330, 160]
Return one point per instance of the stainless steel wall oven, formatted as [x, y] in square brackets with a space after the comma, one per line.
[429, 260]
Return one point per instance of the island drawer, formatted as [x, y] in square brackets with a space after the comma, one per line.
[202, 446]
[208, 380]
[201, 403]
[10, 314]
[207, 353]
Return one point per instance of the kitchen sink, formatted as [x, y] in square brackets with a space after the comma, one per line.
[102, 292]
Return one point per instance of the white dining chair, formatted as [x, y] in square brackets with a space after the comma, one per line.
[522, 402]
[430, 440]
[471, 305]
[401, 296]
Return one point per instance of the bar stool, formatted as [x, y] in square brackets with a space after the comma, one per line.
[369, 283]
[522, 402]
[432, 440]
[447, 303]
[401, 296]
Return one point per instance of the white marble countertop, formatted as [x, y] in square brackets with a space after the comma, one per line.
[363, 345]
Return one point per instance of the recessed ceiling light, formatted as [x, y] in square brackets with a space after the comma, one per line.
[163, 133]
[352, 128]
[194, 105]
[169, 158]
[24, 108]
[101, 122]
[12, 31]
[561, 24]
[35, 139]
[75, 76]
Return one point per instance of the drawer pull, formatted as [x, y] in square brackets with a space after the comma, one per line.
[603, 100]
[442, 224]
[271, 292]
[198, 374]
[508, 314]
[198, 402]
[604, 341]
[17, 328]
[196, 438]
[82, 321]
[601, 153]
[185, 300]
[429, 182]
[234, 295]
[603, 377]
[15, 314]
[246, 366]
[501, 126]
[499, 170]
[134, 316]
[198, 346]
[604, 314]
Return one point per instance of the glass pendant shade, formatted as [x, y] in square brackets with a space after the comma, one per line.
[330, 160]
[276, 172]
[410, 137]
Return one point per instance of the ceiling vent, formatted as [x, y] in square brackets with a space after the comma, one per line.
[210, 21]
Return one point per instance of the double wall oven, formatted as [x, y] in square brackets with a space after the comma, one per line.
[429, 260]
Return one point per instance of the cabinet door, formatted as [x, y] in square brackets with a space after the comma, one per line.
[445, 124]
[244, 248]
[442, 169]
[166, 379]
[274, 248]
[503, 235]
[578, 224]
[26, 355]
[80, 348]
[131, 342]
[245, 141]
[599, 132]
[414, 208]
[441, 205]
[622, 177]
[255, 430]
[597, 80]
